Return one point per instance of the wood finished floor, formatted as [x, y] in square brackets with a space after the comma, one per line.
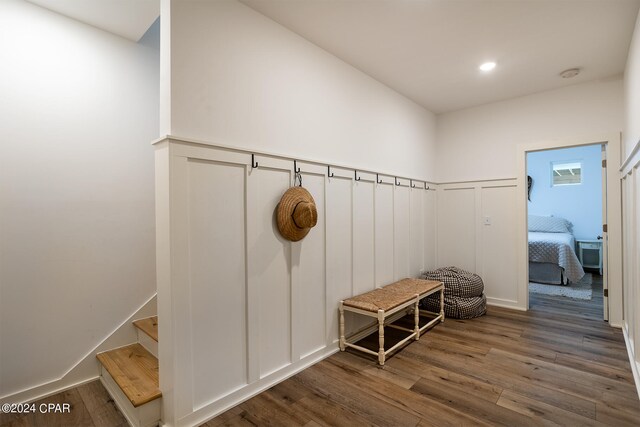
[91, 406]
[557, 364]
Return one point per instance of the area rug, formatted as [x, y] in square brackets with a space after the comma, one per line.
[580, 290]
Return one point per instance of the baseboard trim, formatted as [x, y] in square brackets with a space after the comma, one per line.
[635, 369]
[505, 303]
[212, 410]
[45, 390]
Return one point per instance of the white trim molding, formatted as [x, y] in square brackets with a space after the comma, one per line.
[635, 366]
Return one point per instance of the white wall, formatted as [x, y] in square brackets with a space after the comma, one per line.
[78, 110]
[630, 179]
[631, 133]
[239, 78]
[236, 78]
[480, 143]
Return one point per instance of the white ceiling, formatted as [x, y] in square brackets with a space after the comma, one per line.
[126, 18]
[430, 50]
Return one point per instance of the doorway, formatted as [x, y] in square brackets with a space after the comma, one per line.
[611, 235]
[566, 197]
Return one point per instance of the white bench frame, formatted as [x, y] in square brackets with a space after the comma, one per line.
[382, 315]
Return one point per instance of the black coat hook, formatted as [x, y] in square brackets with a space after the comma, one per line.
[378, 180]
[425, 185]
[329, 173]
[397, 182]
[254, 164]
[412, 184]
[296, 169]
[355, 175]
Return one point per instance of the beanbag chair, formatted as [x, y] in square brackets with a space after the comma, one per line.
[463, 293]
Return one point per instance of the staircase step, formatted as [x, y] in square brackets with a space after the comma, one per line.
[135, 370]
[149, 326]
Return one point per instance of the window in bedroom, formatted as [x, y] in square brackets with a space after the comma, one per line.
[566, 173]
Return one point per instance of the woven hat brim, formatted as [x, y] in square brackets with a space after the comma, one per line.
[284, 216]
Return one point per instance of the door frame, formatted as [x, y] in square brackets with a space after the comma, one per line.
[613, 267]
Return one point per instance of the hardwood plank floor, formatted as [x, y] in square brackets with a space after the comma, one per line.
[557, 364]
[90, 406]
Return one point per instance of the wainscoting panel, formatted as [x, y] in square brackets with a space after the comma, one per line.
[384, 248]
[457, 228]
[476, 224]
[242, 308]
[308, 263]
[363, 237]
[401, 231]
[339, 249]
[417, 233]
[630, 189]
[429, 261]
[269, 268]
[634, 280]
[217, 277]
[498, 254]
[627, 244]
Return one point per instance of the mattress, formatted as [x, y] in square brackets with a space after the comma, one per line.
[556, 248]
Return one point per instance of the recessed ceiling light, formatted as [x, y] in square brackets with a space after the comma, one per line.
[487, 66]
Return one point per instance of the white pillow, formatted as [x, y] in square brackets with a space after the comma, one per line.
[549, 224]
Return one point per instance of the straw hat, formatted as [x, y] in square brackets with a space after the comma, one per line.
[296, 214]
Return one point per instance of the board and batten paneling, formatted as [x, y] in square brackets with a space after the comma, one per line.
[630, 191]
[217, 277]
[309, 271]
[476, 224]
[401, 229]
[498, 250]
[242, 308]
[430, 218]
[634, 294]
[339, 250]
[269, 267]
[363, 237]
[384, 249]
[457, 227]
[417, 231]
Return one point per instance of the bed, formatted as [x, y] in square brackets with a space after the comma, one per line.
[552, 256]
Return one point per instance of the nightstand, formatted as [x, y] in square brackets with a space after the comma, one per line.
[590, 253]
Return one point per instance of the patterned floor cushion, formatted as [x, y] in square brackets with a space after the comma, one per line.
[456, 307]
[457, 282]
[463, 293]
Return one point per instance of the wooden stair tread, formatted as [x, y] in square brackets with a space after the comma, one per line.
[149, 326]
[135, 370]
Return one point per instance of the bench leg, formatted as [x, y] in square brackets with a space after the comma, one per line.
[381, 354]
[442, 305]
[417, 319]
[342, 340]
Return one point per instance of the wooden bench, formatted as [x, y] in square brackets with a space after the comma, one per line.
[388, 300]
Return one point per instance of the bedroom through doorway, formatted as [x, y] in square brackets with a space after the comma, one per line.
[566, 240]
